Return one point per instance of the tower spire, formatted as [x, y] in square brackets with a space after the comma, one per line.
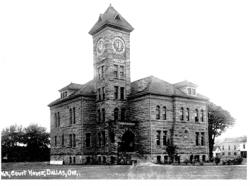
[108, 19]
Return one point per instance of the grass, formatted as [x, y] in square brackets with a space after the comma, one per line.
[42, 170]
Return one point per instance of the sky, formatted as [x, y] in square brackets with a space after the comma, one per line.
[45, 45]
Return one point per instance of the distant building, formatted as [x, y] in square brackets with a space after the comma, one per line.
[216, 151]
[233, 147]
[111, 119]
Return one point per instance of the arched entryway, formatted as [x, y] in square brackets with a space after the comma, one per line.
[127, 142]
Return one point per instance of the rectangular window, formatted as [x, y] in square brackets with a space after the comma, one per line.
[103, 138]
[74, 140]
[189, 91]
[112, 136]
[122, 93]
[229, 153]
[182, 114]
[103, 115]
[122, 73]
[202, 139]
[202, 115]
[158, 137]
[102, 72]
[62, 140]
[197, 138]
[70, 140]
[55, 119]
[116, 92]
[88, 136]
[158, 112]
[58, 119]
[196, 115]
[116, 71]
[164, 113]
[103, 93]
[99, 139]
[99, 73]
[234, 147]
[187, 114]
[228, 147]
[55, 141]
[99, 115]
[70, 116]
[99, 94]
[165, 138]
[74, 115]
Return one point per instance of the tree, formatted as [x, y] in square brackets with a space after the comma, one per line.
[218, 121]
[25, 144]
[11, 139]
[37, 140]
[171, 150]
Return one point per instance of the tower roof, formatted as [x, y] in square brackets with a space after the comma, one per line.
[111, 18]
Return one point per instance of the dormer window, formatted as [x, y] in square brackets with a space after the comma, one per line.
[64, 94]
[191, 91]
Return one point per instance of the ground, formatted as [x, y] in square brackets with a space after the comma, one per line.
[146, 171]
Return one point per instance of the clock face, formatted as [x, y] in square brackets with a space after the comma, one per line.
[118, 45]
[100, 46]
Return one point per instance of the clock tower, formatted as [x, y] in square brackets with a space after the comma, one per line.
[111, 49]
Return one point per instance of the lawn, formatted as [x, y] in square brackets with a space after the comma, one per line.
[42, 170]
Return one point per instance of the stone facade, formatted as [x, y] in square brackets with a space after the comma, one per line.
[110, 120]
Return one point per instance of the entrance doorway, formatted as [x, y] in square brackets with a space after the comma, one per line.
[128, 142]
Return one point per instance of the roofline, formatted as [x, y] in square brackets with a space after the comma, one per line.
[56, 102]
[108, 24]
[172, 96]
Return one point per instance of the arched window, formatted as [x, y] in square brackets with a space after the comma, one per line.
[70, 116]
[202, 115]
[116, 113]
[164, 114]
[158, 112]
[196, 115]
[123, 114]
[182, 114]
[188, 115]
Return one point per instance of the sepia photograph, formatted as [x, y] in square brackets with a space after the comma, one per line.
[124, 90]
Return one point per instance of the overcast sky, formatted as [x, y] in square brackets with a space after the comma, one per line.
[45, 45]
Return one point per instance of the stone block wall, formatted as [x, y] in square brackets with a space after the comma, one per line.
[84, 122]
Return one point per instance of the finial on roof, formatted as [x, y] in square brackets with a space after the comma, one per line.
[110, 5]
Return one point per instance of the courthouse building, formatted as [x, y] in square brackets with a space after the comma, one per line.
[111, 120]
